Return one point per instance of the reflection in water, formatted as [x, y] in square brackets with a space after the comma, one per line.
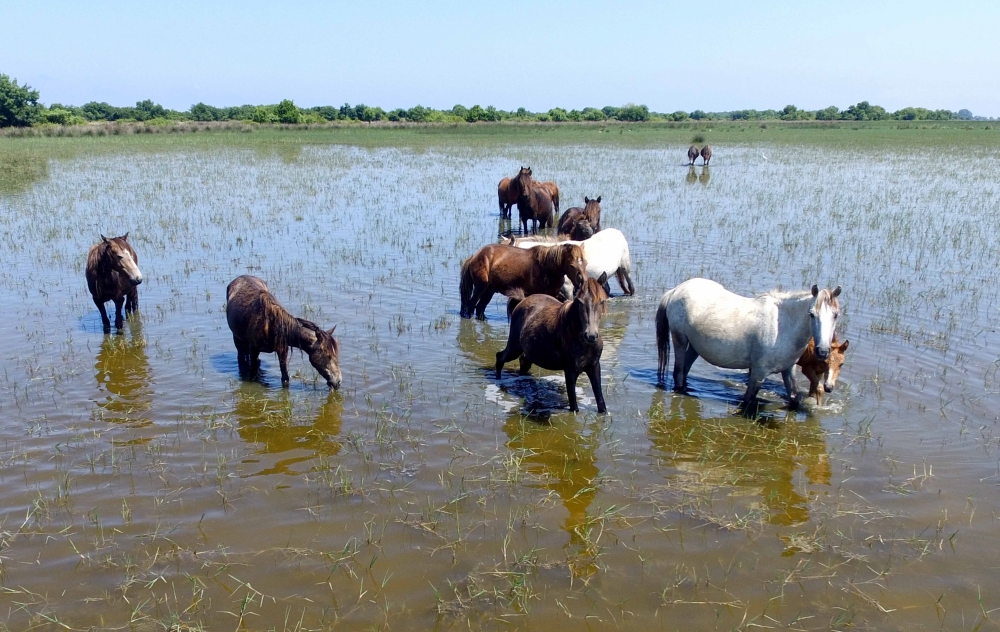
[563, 456]
[124, 381]
[692, 175]
[704, 176]
[270, 420]
[480, 341]
[734, 452]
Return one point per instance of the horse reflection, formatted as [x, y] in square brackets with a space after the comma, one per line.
[563, 456]
[692, 175]
[277, 424]
[479, 341]
[124, 380]
[709, 453]
[704, 176]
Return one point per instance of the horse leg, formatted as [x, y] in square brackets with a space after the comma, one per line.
[484, 301]
[119, 321]
[788, 377]
[242, 355]
[283, 363]
[253, 358]
[131, 302]
[104, 316]
[571, 376]
[594, 374]
[525, 365]
[607, 288]
[753, 387]
[682, 349]
[511, 351]
[625, 281]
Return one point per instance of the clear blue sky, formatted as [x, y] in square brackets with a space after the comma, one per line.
[698, 54]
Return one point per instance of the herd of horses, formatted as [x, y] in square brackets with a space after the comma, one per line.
[557, 290]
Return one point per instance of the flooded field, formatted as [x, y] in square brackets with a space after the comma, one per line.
[145, 486]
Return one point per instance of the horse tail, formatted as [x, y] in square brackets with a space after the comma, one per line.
[662, 341]
[465, 289]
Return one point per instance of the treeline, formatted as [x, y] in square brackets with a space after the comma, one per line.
[19, 106]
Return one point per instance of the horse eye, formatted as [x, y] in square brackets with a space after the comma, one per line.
[812, 315]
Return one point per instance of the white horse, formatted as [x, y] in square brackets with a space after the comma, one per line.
[606, 253]
[766, 334]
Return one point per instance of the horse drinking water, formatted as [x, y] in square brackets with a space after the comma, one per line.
[261, 325]
[766, 334]
[560, 336]
[591, 212]
[113, 275]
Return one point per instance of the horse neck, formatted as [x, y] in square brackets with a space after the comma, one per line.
[793, 317]
[288, 331]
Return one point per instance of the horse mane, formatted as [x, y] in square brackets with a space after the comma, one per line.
[282, 324]
[552, 257]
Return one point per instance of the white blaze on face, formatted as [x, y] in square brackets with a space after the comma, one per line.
[823, 325]
[131, 269]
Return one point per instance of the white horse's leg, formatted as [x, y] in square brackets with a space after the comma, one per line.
[754, 381]
[681, 367]
[788, 376]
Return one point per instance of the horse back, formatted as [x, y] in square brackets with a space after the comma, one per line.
[247, 311]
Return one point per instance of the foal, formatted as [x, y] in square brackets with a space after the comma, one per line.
[563, 336]
[825, 371]
[113, 275]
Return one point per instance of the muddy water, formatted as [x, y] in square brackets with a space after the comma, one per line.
[145, 485]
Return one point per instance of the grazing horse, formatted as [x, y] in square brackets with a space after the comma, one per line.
[606, 253]
[497, 268]
[692, 154]
[591, 211]
[506, 197]
[261, 325]
[825, 371]
[706, 154]
[766, 334]
[112, 275]
[560, 336]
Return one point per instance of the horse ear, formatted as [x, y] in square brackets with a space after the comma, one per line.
[603, 278]
[104, 239]
[836, 292]
[586, 200]
[843, 347]
[332, 329]
[125, 237]
[815, 290]
[598, 199]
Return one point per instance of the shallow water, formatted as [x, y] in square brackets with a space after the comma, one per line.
[145, 485]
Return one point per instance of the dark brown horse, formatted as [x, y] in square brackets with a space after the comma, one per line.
[692, 154]
[564, 336]
[706, 154]
[553, 192]
[506, 197]
[497, 268]
[591, 212]
[261, 325]
[113, 275]
[534, 200]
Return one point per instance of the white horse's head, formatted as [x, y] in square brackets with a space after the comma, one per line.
[823, 319]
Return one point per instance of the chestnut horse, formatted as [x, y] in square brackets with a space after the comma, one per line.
[534, 200]
[113, 275]
[560, 336]
[506, 197]
[496, 268]
[261, 325]
[825, 371]
[692, 154]
[706, 154]
[591, 212]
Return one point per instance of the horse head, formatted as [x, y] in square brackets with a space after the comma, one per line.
[592, 302]
[574, 265]
[823, 319]
[835, 361]
[118, 254]
[592, 209]
[324, 352]
[522, 182]
[582, 229]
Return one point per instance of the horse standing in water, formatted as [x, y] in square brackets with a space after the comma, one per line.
[766, 334]
[534, 201]
[560, 336]
[606, 253]
[496, 268]
[692, 154]
[113, 275]
[261, 325]
[506, 197]
[591, 212]
[706, 155]
[825, 371]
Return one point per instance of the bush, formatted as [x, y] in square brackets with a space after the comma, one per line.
[593, 114]
[263, 114]
[287, 112]
[19, 105]
[633, 113]
[558, 115]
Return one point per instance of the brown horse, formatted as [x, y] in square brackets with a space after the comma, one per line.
[261, 325]
[692, 154]
[825, 371]
[564, 336]
[706, 154]
[113, 275]
[506, 197]
[496, 268]
[590, 212]
[536, 206]
[553, 193]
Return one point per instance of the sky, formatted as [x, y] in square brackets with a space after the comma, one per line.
[713, 55]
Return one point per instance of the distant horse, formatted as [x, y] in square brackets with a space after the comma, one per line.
[606, 253]
[534, 200]
[553, 192]
[560, 336]
[766, 334]
[706, 154]
[506, 197]
[261, 325]
[496, 268]
[591, 211]
[113, 275]
[692, 154]
[825, 371]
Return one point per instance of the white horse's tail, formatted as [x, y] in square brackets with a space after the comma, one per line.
[662, 341]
